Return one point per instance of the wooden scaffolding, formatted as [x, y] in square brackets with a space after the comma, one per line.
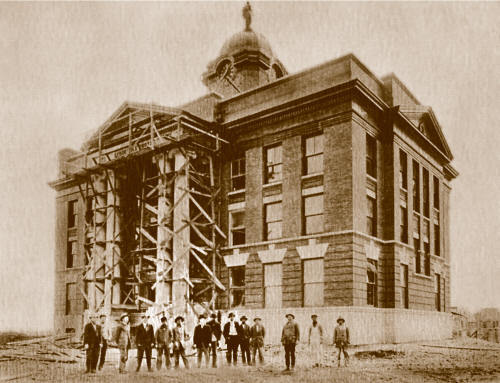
[151, 185]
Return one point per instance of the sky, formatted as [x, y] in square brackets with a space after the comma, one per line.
[66, 67]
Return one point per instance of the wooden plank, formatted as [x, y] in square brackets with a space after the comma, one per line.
[207, 269]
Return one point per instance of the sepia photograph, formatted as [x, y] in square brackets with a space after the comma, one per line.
[263, 191]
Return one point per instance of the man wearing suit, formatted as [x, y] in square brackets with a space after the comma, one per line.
[245, 341]
[179, 337]
[163, 340]
[232, 333]
[91, 343]
[257, 333]
[105, 339]
[201, 339]
[145, 340]
[216, 333]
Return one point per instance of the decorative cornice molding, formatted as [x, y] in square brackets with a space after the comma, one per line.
[312, 251]
[236, 259]
[272, 256]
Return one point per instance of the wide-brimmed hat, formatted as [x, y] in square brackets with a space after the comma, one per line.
[255, 319]
[213, 315]
[163, 319]
[340, 319]
[123, 316]
[179, 318]
[290, 315]
[314, 316]
[230, 315]
[202, 316]
[243, 318]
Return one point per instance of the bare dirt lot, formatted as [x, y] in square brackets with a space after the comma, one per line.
[464, 360]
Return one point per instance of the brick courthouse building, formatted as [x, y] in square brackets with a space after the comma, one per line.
[334, 198]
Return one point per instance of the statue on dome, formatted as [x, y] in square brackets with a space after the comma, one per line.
[247, 15]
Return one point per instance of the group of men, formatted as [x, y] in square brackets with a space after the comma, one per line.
[206, 336]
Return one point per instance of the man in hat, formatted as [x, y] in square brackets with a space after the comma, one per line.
[232, 334]
[163, 339]
[179, 337]
[216, 333]
[289, 338]
[341, 339]
[122, 339]
[245, 341]
[91, 343]
[257, 334]
[105, 339]
[201, 339]
[145, 341]
[315, 340]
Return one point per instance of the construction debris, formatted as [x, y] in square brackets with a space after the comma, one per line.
[56, 348]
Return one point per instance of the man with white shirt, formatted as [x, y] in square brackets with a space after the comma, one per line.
[105, 338]
[232, 333]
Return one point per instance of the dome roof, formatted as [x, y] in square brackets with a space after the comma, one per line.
[246, 40]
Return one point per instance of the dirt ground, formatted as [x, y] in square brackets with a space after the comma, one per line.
[422, 362]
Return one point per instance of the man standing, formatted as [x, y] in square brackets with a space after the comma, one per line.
[245, 341]
[214, 341]
[91, 343]
[289, 338]
[231, 334]
[105, 339]
[201, 339]
[315, 340]
[257, 334]
[163, 340]
[123, 341]
[341, 339]
[145, 340]
[179, 336]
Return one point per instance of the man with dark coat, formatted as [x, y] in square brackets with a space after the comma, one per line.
[214, 341]
[289, 338]
[245, 341]
[201, 339]
[163, 340]
[232, 333]
[179, 337]
[91, 343]
[257, 334]
[216, 333]
[145, 340]
[105, 339]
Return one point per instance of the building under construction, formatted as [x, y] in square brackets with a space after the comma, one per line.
[324, 190]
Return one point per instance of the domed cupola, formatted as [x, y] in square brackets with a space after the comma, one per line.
[245, 61]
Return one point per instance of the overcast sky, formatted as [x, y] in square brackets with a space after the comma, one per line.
[66, 67]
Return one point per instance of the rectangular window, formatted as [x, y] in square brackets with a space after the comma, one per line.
[437, 291]
[237, 225]
[71, 251]
[70, 298]
[371, 283]
[313, 282]
[404, 286]
[238, 174]
[313, 154]
[72, 213]
[313, 214]
[236, 286]
[403, 170]
[426, 230]
[371, 156]
[427, 259]
[426, 191]
[272, 285]
[371, 216]
[416, 248]
[416, 187]
[437, 240]
[404, 225]
[436, 193]
[274, 164]
[273, 217]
